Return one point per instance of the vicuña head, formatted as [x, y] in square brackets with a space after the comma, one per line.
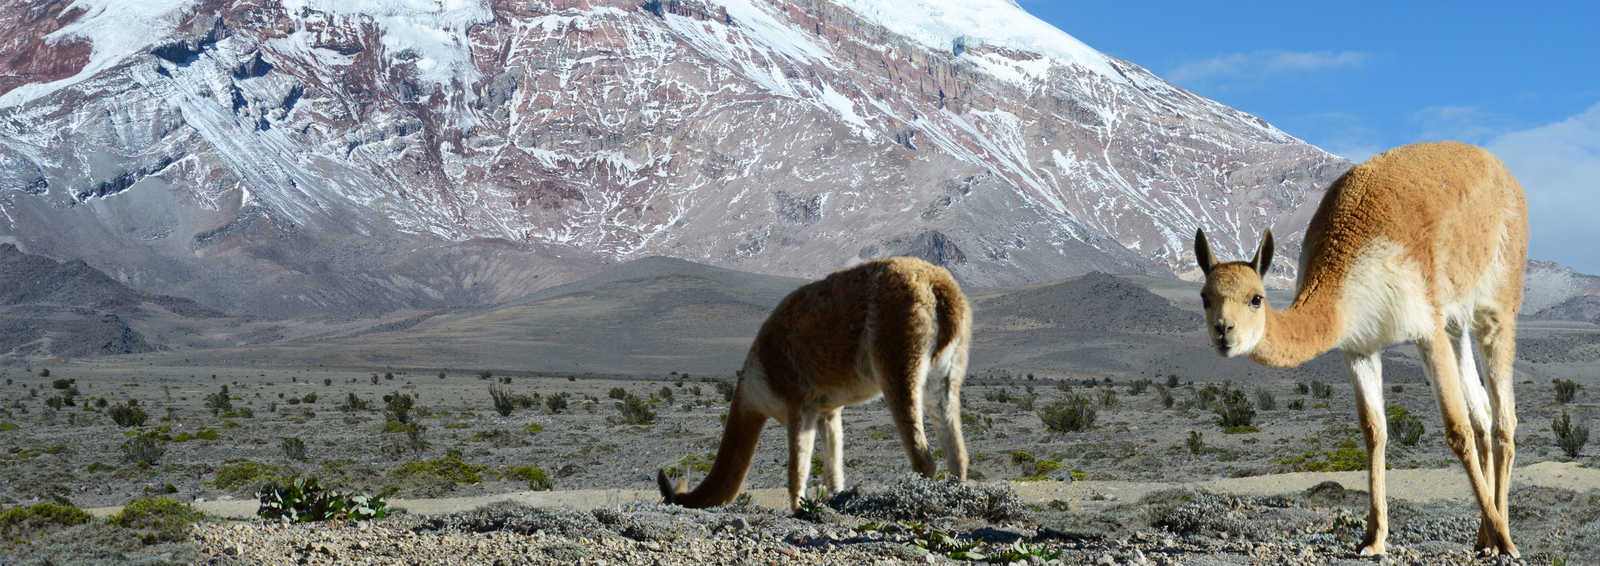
[1422, 243]
[891, 327]
[1235, 298]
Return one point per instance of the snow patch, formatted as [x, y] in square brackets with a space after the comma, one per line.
[937, 24]
[435, 31]
[116, 29]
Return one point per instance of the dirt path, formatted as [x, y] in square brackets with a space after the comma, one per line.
[1420, 485]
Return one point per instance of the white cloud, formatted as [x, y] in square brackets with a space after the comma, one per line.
[1464, 123]
[1559, 168]
[1256, 64]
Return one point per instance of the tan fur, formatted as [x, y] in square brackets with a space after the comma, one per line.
[1426, 243]
[886, 327]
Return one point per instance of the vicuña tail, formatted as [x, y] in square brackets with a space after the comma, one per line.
[728, 471]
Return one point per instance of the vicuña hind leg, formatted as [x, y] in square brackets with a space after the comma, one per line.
[902, 391]
[802, 434]
[1366, 372]
[1439, 360]
[1477, 401]
[1497, 335]
[947, 377]
[833, 450]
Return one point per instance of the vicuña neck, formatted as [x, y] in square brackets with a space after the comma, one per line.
[1295, 335]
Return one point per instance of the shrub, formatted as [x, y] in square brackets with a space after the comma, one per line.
[1298, 404]
[1321, 390]
[556, 403]
[504, 401]
[294, 448]
[536, 478]
[1347, 457]
[44, 372]
[352, 403]
[1404, 426]
[157, 519]
[1073, 414]
[8, 427]
[62, 384]
[1566, 390]
[634, 411]
[397, 407]
[219, 401]
[145, 449]
[998, 395]
[1196, 442]
[23, 523]
[726, 388]
[1233, 409]
[665, 394]
[303, 500]
[449, 469]
[617, 393]
[1166, 397]
[413, 441]
[247, 473]
[128, 415]
[309, 398]
[1302, 389]
[1172, 381]
[1569, 437]
[1138, 386]
[1265, 400]
[1108, 398]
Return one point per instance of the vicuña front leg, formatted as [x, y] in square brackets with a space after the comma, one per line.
[1366, 372]
[1477, 401]
[802, 434]
[1439, 360]
[833, 450]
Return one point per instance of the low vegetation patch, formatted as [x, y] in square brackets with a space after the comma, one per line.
[915, 498]
[302, 499]
[1569, 437]
[1404, 427]
[1347, 457]
[536, 478]
[25, 523]
[447, 470]
[1073, 414]
[248, 474]
[157, 519]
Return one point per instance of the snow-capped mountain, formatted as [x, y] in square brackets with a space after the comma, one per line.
[327, 156]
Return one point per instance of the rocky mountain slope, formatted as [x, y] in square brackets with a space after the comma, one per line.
[289, 157]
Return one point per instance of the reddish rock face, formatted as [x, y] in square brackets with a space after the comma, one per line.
[793, 139]
[26, 56]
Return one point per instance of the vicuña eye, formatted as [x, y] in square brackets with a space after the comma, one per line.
[1255, 301]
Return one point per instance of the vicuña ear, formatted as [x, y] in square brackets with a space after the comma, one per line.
[1202, 251]
[1263, 260]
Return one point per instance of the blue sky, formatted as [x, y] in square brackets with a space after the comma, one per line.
[1357, 78]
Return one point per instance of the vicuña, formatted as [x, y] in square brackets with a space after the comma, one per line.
[889, 327]
[1425, 242]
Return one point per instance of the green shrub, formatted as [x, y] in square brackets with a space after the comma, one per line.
[1347, 457]
[533, 428]
[202, 434]
[556, 403]
[1569, 437]
[449, 469]
[634, 411]
[23, 523]
[1566, 390]
[219, 401]
[352, 403]
[536, 478]
[303, 500]
[157, 519]
[8, 427]
[1172, 381]
[1302, 389]
[504, 401]
[1321, 390]
[247, 473]
[1138, 386]
[293, 448]
[1265, 400]
[1298, 404]
[617, 393]
[1108, 398]
[1073, 414]
[1167, 400]
[1233, 409]
[1403, 426]
[726, 388]
[397, 407]
[1196, 442]
[144, 449]
[62, 384]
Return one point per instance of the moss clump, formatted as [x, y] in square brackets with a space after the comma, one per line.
[536, 478]
[23, 523]
[157, 519]
[8, 427]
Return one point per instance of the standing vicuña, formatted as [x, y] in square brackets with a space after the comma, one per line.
[884, 327]
[1424, 242]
